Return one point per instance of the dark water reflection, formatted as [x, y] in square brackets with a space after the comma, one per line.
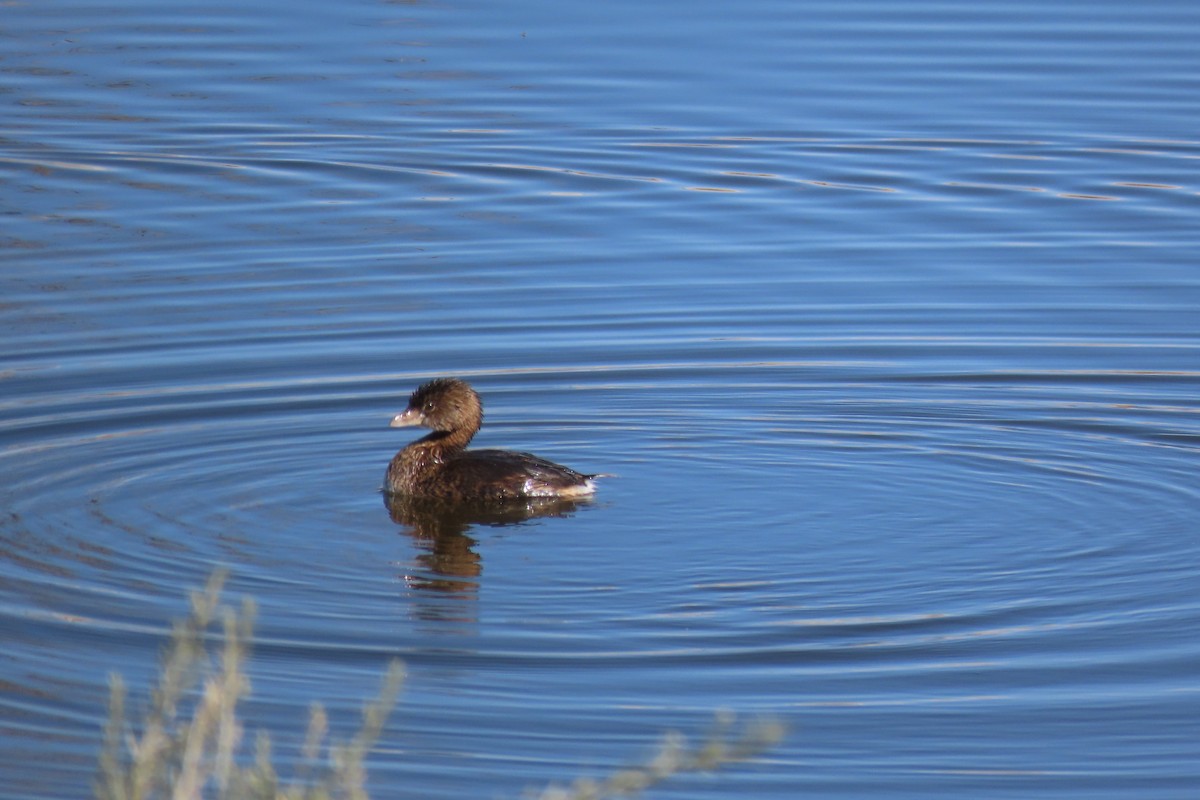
[440, 528]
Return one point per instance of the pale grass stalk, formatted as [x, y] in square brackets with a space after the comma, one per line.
[674, 758]
[193, 771]
[143, 778]
[110, 784]
[197, 757]
[318, 729]
[349, 760]
[235, 686]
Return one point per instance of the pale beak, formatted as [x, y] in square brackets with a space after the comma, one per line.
[410, 416]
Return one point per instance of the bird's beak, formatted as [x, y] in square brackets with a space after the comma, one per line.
[408, 417]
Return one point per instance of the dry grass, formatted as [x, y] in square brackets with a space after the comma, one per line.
[195, 754]
[722, 748]
[188, 744]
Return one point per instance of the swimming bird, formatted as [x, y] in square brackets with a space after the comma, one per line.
[439, 465]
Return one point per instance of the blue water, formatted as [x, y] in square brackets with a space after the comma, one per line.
[884, 315]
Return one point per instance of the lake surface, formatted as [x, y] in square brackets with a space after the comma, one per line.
[886, 316]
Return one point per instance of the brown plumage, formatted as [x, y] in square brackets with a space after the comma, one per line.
[440, 465]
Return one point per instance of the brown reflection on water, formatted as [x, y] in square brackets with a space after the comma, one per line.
[440, 529]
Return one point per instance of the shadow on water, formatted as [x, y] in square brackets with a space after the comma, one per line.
[441, 530]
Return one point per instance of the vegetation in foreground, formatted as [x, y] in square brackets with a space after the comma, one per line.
[188, 744]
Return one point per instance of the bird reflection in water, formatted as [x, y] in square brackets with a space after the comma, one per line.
[440, 529]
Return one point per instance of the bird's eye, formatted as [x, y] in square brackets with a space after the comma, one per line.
[428, 406]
